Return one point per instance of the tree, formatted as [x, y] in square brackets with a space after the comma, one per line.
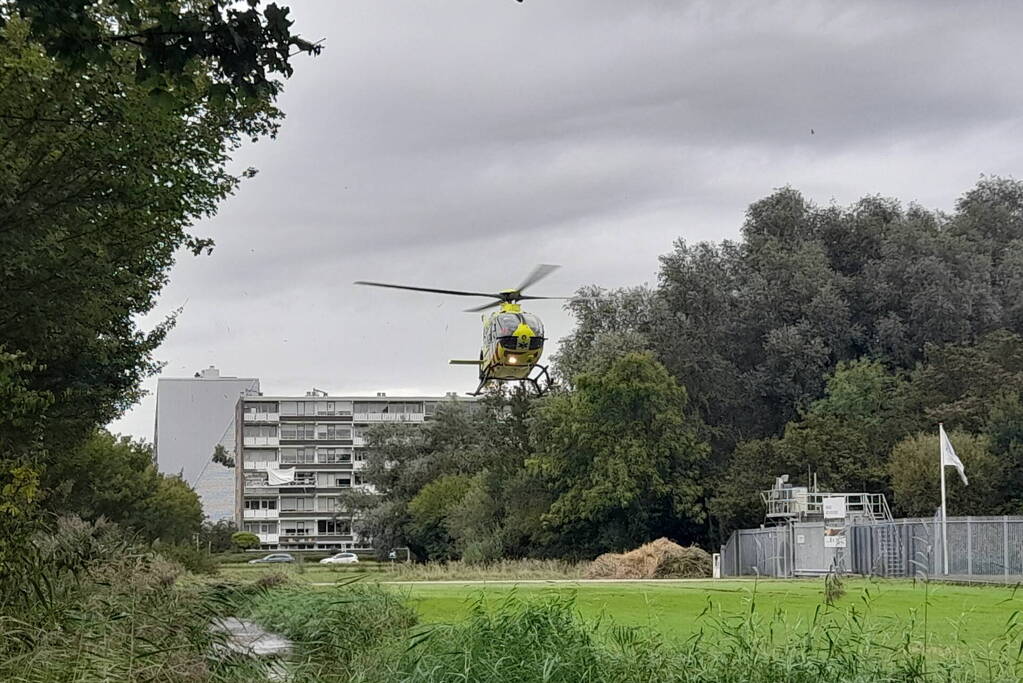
[115, 478]
[428, 512]
[245, 540]
[846, 436]
[1005, 434]
[221, 457]
[609, 324]
[242, 48]
[117, 123]
[217, 536]
[916, 478]
[621, 459]
[958, 383]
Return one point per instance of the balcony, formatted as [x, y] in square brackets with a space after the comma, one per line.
[268, 538]
[259, 514]
[262, 417]
[388, 417]
[261, 441]
[259, 465]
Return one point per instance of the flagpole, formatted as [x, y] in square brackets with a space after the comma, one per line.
[944, 510]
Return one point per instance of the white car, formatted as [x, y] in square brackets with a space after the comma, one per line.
[341, 558]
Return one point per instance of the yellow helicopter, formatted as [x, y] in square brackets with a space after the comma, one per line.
[512, 338]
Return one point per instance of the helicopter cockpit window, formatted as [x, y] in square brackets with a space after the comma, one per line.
[534, 323]
[506, 324]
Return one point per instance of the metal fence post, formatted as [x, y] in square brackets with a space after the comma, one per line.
[1005, 544]
[969, 545]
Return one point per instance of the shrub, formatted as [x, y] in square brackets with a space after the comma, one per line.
[331, 628]
[245, 540]
[192, 559]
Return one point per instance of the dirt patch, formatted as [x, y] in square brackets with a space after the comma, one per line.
[660, 559]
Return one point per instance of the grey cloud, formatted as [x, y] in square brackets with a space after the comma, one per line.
[458, 143]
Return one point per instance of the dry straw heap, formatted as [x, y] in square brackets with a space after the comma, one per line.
[660, 559]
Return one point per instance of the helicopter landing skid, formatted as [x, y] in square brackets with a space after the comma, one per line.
[541, 389]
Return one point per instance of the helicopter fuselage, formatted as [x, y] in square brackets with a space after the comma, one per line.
[512, 343]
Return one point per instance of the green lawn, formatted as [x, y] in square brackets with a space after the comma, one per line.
[977, 615]
[972, 614]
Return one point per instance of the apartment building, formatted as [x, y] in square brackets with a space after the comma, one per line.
[297, 454]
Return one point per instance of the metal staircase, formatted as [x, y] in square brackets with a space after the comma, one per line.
[891, 561]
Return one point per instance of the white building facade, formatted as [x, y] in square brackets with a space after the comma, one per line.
[194, 415]
[297, 454]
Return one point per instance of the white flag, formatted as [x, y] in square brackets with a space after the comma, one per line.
[948, 455]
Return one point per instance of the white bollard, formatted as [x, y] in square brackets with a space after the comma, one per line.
[717, 565]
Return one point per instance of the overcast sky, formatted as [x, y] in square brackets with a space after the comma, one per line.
[458, 143]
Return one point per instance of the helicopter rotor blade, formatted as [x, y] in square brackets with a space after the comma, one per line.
[539, 273]
[484, 307]
[428, 289]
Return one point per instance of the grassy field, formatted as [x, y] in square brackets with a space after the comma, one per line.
[968, 614]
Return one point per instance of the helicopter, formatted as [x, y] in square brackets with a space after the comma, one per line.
[512, 338]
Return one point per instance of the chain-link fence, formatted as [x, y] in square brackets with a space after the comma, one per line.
[977, 547]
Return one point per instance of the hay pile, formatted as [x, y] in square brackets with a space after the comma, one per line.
[660, 559]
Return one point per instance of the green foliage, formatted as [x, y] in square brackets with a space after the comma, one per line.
[752, 328]
[87, 603]
[334, 628]
[221, 457]
[117, 123]
[609, 324]
[914, 476]
[622, 459]
[495, 513]
[217, 536]
[958, 383]
[195, 560]
[240, 47]
[429, 510]
[116, 478]
[246, 540]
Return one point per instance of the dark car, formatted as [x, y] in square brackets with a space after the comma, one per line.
[273, 557]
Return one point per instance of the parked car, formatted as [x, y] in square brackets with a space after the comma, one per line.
[341, 558]
[273, 557]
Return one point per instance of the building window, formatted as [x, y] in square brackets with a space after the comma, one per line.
[260, 527]
[260, 456]
[327, 504]
[333, 432]
[290, 504]
[298, 407]
[333, 527]
[260, 431]
[260, 503]
[359, 456]
[343, 482]
[334, 456]
[298, 431]
[260, 407]
[298, 528]
[298, 456]
[357, 479]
